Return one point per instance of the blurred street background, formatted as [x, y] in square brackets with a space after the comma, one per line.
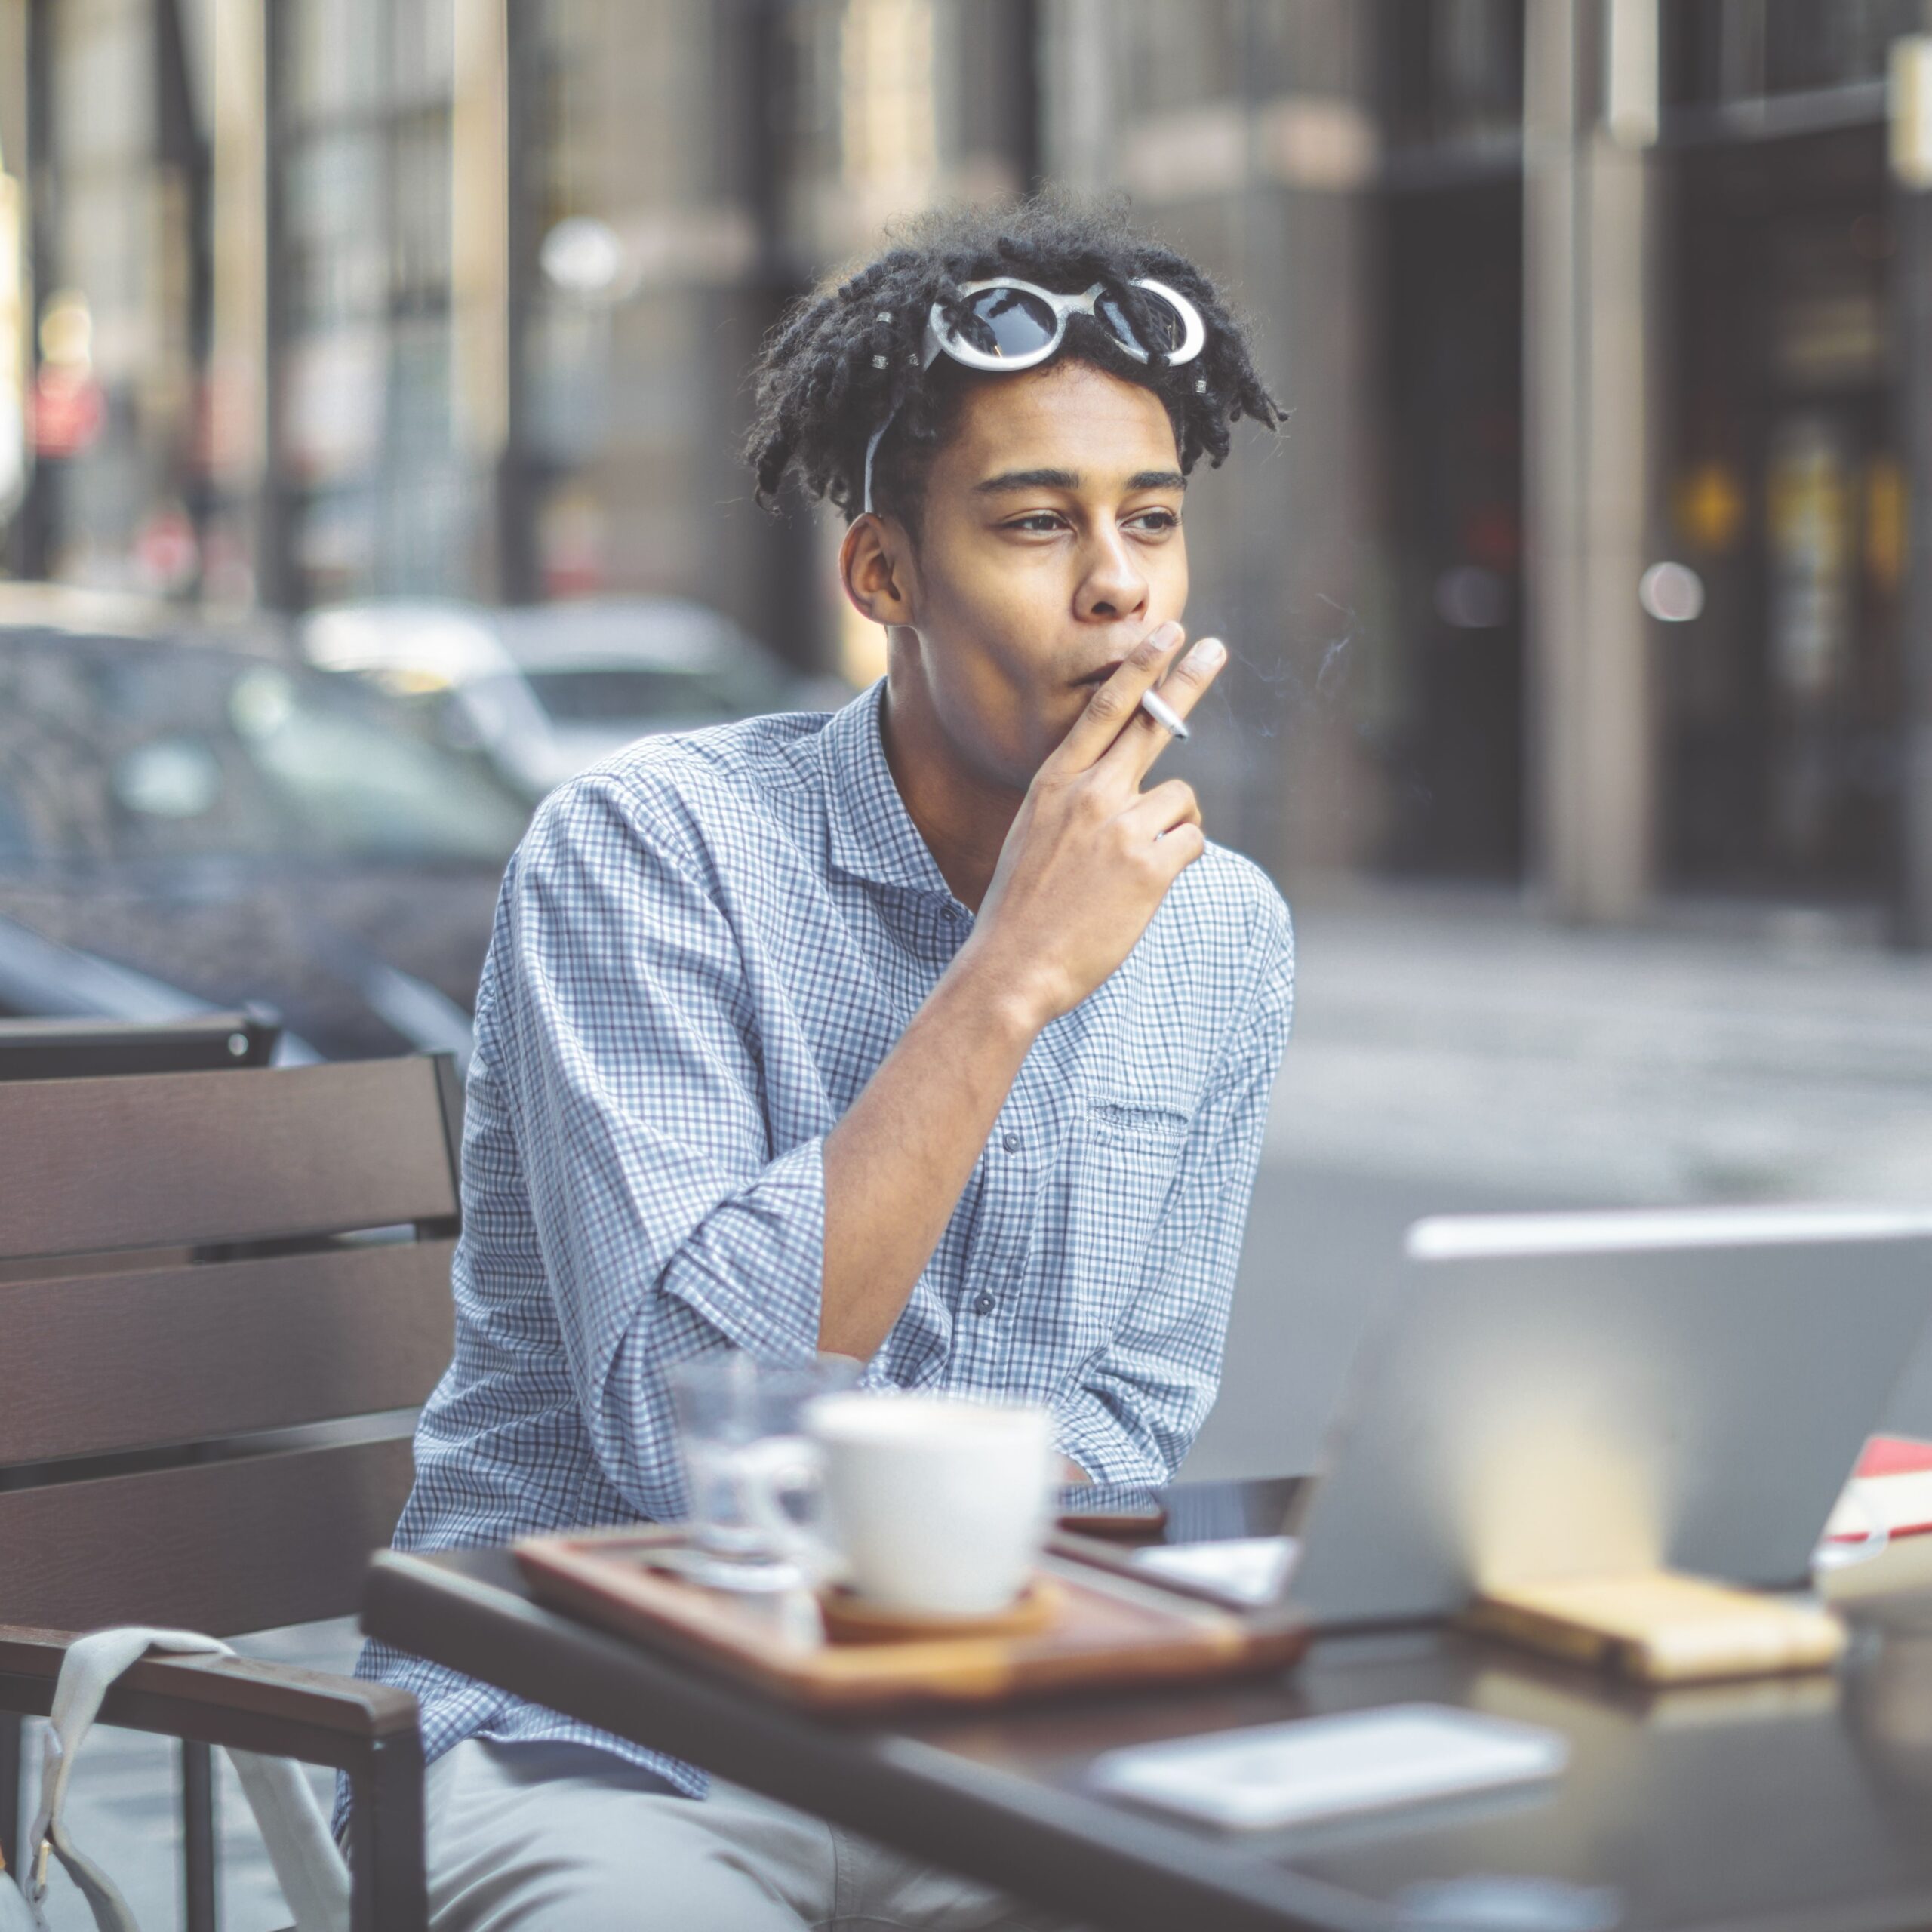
[371, 373]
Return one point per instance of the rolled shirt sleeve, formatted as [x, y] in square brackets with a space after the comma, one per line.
[668, 1222]
[1133, 1412]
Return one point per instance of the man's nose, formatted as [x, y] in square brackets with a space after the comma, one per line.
[1112, 587]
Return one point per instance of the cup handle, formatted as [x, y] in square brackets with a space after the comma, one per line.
[771, 1472]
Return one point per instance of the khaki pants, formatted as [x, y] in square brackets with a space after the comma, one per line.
[556, 1838]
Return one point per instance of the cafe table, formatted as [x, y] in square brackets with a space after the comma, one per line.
[1796, 1805]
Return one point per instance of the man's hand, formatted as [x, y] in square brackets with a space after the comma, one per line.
[1088, 862]
[1091, 856]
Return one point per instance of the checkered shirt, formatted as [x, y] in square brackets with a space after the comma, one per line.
[703, 950]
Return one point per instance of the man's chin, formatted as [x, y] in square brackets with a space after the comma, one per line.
[1057, 716]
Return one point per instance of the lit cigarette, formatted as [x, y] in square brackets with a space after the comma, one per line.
[1163, 713]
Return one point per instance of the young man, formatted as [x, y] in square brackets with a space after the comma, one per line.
[932, 1032]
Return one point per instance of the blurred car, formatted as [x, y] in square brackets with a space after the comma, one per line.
[192, 818]
[545, 691]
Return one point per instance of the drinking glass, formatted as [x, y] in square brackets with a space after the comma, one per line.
[744, 1448]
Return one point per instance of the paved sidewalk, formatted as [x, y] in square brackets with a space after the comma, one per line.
[1449, 1035]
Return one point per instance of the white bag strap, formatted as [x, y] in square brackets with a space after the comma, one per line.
[16, 1915]
[314, 1879]
[308, 1864]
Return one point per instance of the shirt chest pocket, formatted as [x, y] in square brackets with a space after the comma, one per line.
[1126, 1161]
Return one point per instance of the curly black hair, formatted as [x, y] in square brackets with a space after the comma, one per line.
[848, 356]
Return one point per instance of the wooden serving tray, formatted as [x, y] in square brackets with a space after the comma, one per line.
[1110, 1630]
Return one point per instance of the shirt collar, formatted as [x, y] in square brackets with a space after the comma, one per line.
[873, 836]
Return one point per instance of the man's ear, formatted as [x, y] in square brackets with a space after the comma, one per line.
[875, 566]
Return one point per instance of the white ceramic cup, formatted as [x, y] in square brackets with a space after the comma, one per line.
[937, 1506]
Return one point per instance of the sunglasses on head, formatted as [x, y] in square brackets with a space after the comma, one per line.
[1025, 323]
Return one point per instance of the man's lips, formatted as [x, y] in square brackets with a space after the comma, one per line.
[1099, 675]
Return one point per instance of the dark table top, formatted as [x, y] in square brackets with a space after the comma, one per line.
[1801, 1804]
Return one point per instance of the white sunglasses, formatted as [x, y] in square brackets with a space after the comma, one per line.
[1028, 324]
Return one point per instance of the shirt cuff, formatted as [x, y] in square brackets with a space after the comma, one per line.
[757, 1276]
[1094, 1440]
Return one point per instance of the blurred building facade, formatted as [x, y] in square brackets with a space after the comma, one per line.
[308, 299]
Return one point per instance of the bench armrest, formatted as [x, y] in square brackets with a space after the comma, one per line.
[277, 1709]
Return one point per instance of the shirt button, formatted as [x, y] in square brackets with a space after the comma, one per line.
[1011, 1144]
[985, 1304]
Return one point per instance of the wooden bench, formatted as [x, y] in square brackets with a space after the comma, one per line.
[80, 1049]
[222, 1297]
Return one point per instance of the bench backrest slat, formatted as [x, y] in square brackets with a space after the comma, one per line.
[155, 1161]
[197, 1354]
[222, 1547]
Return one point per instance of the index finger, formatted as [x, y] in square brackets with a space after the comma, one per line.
[1146, 737]
[1115, 705]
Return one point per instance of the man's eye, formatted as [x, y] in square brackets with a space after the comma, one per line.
[1042, 522]
[1155, 521]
